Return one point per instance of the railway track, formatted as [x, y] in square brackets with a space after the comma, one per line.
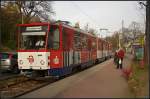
[5, 77]
[18, 86]
[10, 80]
[21, 86]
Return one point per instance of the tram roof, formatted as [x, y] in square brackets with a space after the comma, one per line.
[65, 25]
[76, 29]
[34, 23]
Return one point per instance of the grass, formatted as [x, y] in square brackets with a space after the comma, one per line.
[138, 81]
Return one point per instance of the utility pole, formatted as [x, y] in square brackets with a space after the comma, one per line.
[119, 40]
[0, 37]
[122, 26]
[120, 34]
[147, 31]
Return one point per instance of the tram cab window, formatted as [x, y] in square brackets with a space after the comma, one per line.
[53, 38]
[32, 37]
[33, 42]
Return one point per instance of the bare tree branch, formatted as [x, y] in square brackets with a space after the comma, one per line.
[32, 8]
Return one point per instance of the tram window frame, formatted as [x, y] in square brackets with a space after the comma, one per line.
[51, 41]
[77, 41]
[26, 36]
[93, 44]
[29, 42]
[65, 39]
[84, 42]
[99, 44]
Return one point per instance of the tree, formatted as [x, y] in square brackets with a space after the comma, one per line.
[86, 27]
[77, 25]
[29, 9]
[135, 29]
[11, 12]
[9, 18]
[114, 39]
[92, 31]
[126, 35]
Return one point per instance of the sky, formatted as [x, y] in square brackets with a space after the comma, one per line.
[98, 14]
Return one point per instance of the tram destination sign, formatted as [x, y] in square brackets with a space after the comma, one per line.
[34, 29]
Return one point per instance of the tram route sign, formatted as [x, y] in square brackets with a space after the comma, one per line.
[33, 28]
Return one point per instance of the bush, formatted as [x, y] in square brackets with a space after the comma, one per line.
[138, 79]
[127, 72]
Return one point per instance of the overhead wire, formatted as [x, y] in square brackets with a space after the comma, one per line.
[83, 12]
[89, 17]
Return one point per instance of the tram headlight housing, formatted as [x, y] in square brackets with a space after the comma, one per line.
[42, 62]
[20, 62]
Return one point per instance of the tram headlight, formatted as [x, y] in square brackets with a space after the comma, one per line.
[42, 62]
[20, 62]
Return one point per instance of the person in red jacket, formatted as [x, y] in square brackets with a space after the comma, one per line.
[120, 55]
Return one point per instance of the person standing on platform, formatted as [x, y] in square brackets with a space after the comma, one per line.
[115, 57]
[120, 58]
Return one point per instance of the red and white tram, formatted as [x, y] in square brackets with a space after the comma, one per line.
[58, 49]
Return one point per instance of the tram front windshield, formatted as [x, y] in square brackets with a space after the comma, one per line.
[33, 38]
[33, 42]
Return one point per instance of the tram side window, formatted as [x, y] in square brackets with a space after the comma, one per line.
[65, 40]
[53, 38]
[104, 46]
[77, 42]
[99, 45]
[84, 42]
[89, 43]
[93, 44]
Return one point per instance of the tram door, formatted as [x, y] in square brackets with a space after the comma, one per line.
[67, 53]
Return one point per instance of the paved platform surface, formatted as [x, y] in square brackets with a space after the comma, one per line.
[100, 81]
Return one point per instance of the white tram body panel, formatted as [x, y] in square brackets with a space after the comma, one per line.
[99, 54]
[34, 60]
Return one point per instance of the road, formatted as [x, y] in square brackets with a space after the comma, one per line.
[100, 81]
